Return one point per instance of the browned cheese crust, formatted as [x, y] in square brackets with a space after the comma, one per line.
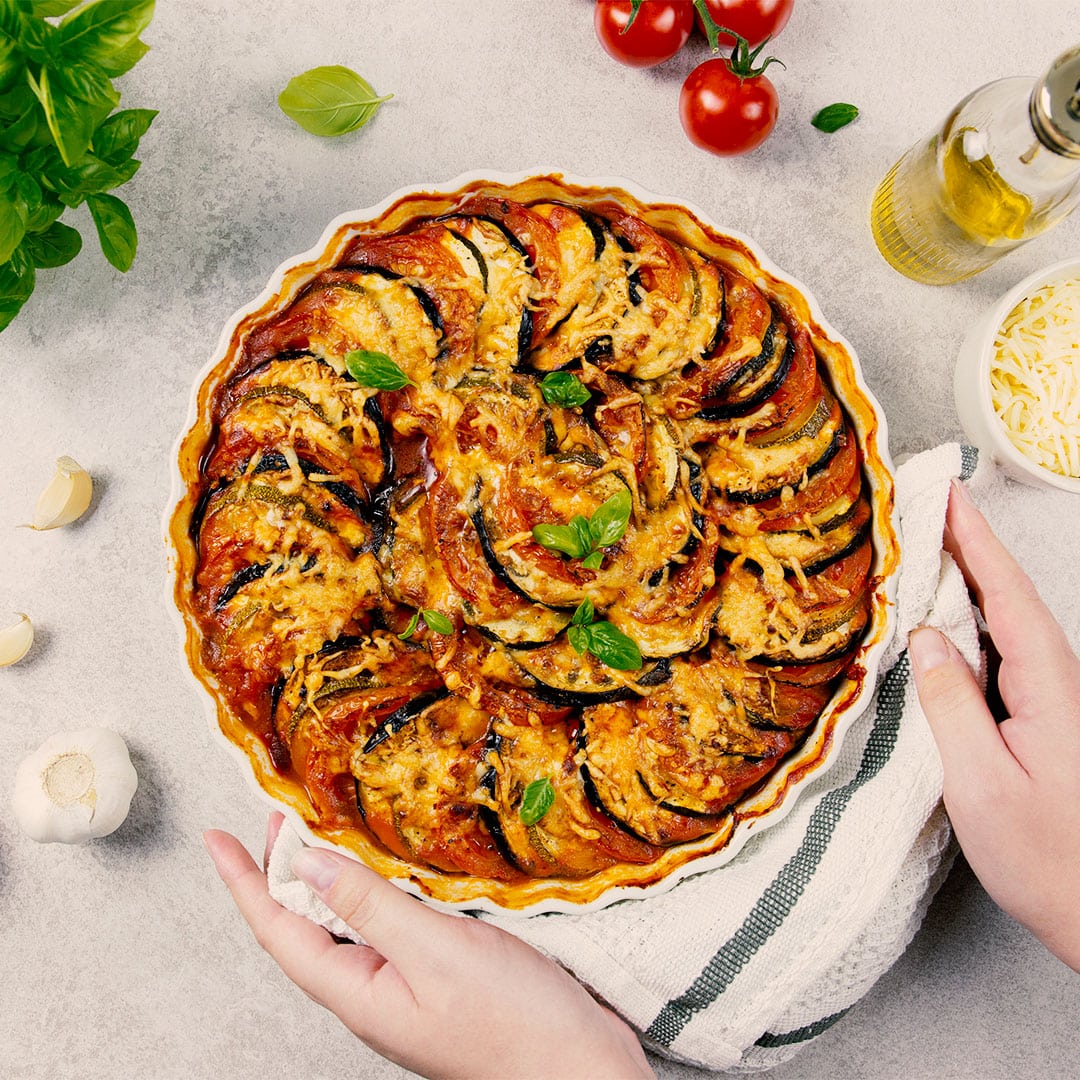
[323, 515]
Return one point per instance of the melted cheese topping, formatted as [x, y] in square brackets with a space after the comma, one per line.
[1035, 377]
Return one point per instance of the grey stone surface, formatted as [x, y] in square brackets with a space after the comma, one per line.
[124, 958]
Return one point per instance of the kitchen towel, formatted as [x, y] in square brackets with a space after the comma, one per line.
[737, 968]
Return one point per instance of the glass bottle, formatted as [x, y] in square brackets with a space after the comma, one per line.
[1004, 167]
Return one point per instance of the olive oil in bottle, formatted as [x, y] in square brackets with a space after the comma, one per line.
[1004, 167]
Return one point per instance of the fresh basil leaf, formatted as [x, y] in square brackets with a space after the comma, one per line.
[536, 801]
[437, 622]
[123, 60]
[48, 9]
[564, 389]
[376, 370]
[410, 629]
[609, 520]
[90, 177]
[18, 132]
[593, 561]
[9, 169]
[115, 229]
[612, 647]
[16, 285]
[57, 245]
[37, 39]
[11, 62]
[117, 138]
[560, 538]
[584, 613]
[581, 526]
[87, 82]
[330, 101]
[100, 29]
[71, 120]
[12, 223]
[834, 117]
[578, 636]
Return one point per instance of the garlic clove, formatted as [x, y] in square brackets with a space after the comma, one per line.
[16, 639]
[77, 786]
[65, 498]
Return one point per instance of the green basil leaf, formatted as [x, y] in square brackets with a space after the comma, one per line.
[584, 614]
[12, 223]
[536, 801]
[560, 538]
[48, 9]
[117, 138]
[437, 622]
[57, 245]
[609, 521]
[581, 526]
[16, 285]
[834, 117]
[11, 62]
[612, 647]
[101, 29]
[115, 228]
[18, 132]
[564, 389]
[410, 629]
[330, 101]
[89, 177]
[9, 170]
[71, 120]
[87, 82]
[376, 370]
[123, 60]
[593, 561]
[38, 40]
[578, 636]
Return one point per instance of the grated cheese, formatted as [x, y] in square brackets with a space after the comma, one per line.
[1035, 377]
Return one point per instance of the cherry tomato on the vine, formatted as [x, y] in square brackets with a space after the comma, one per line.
[724, 114]
[659, 30]
[755, 20]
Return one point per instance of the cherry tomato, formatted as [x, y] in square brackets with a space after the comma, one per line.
[724, 114]
[660, 29]
[756, 20]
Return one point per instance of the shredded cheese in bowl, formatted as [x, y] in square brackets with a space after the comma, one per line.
[1035, 376]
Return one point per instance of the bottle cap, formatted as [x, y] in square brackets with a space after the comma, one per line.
[1055, 105]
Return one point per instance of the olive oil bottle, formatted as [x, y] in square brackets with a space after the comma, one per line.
[1004, 167]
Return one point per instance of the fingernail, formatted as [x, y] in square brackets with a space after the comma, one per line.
[928, 649]
[959, 489]
[316, 867]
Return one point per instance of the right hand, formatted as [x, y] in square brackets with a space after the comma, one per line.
[1012, 790]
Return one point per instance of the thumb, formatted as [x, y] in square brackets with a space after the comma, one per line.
[963, 727]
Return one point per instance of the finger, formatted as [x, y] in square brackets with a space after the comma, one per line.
[296, 943]
[1023, 629]
[400, 927]
[273, 827]
[973, 753]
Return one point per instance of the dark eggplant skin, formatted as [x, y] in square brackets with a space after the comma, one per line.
[400, 717]
[353, 500]
[759, 397]
[244, 576]
[812, 469]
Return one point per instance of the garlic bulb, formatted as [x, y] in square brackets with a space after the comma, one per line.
[15, 640]
[65, 498]
[76, 786]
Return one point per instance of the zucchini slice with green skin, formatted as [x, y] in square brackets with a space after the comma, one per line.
[417, 791]
[572, 839]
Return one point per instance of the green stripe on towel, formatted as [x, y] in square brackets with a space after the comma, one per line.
[969, 459]
[803, 1034]
[768, 914]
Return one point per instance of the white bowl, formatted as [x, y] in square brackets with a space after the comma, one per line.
[972, 385]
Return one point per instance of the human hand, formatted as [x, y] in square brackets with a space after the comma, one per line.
[1012, 790]
[443, 995]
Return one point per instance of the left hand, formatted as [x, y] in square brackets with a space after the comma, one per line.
[442, 995]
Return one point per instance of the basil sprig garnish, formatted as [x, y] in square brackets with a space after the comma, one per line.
[834, 117]
[330, 101]
[376, 370]
[536, 801]
[564, 389]
[603, 639]
[585, 538]
[433, 620]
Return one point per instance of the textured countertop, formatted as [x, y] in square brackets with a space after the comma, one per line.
[124, 958]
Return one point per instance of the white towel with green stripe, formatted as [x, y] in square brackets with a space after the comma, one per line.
[737, 968]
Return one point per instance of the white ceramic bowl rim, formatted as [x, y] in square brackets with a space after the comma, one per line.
[870, 654]
[985, 334]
